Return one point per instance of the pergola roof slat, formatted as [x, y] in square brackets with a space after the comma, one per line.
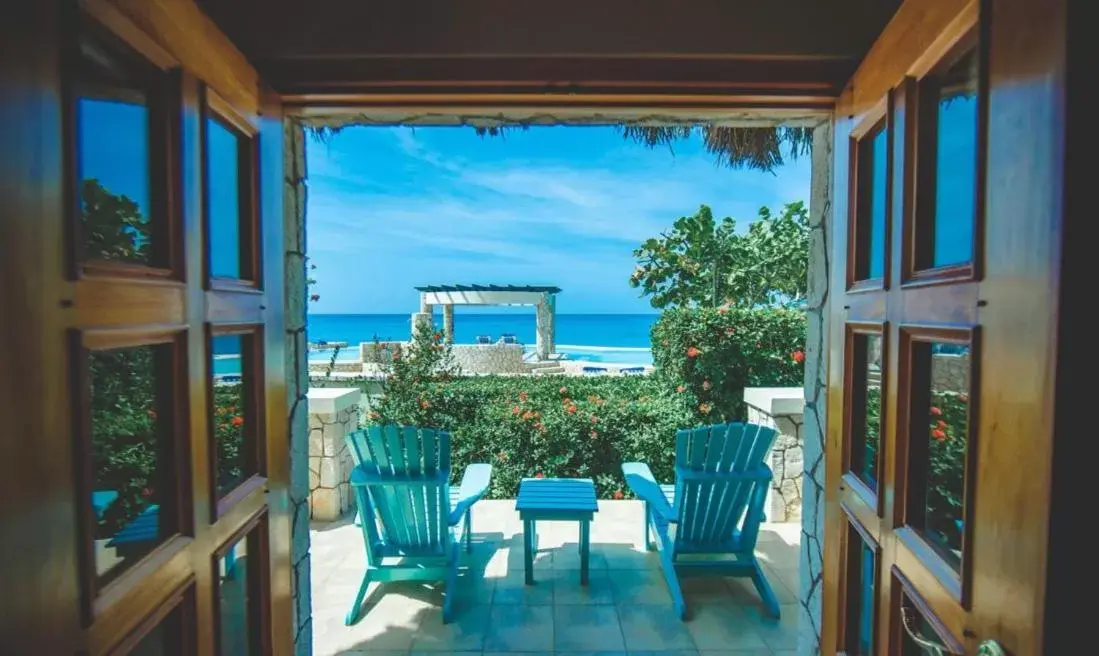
[542, 289]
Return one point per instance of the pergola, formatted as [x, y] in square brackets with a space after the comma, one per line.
[542, 297]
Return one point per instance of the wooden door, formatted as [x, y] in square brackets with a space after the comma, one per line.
[149, 514]
[943, 318]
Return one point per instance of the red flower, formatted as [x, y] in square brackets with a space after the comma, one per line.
[563, 390]
[425, 404]
[798, 356]
[938, 435]
[941, 424]
[693, 352]
[570, 408]
[528, 415]
[729, 332]
[935, 411]
[539, 475]
[705, 408]
[515, 410]
[237, 422]
[964, 398]
[594, 434]
[594, 419]
[502, 457]
[374, 416]
[706, 385]
[540, 427]
[680, 389]
[523, 396]
[618, 494]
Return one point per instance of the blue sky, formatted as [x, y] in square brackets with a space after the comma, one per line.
[392, 208]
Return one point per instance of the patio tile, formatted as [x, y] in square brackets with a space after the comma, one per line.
[389, 625]
[517, 628]
[627, 557]
[722, 626]
[567, 557]
[434, 653]
[639, 587]
[676, 652]
[648, 626]
[465, 633]
[777, 634]
[743, 592]
[699, 589]
[568, 591]
[518, 653]
[512, 590]
[579, 628]
[737, 652]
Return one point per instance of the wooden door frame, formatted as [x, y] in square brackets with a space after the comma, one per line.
[1023, 178]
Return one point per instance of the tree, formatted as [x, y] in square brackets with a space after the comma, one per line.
[704, 262]
[113, 225]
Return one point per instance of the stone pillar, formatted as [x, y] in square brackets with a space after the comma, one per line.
[448, 323]
[816, 383]
[781, 408]
[425, 307]
[422, 318]
[544, 329]
[333, 413]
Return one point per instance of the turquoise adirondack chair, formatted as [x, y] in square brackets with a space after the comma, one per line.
[412, 521]
[714, 509]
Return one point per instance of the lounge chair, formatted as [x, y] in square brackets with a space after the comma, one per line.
[407, 509]
[508, 338]
[714, 508]
[594, 371]
[632, 370]
[484, 339]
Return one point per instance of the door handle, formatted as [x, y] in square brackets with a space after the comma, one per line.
[990, 648]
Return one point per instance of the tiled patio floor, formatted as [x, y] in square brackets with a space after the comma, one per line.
[625, 609]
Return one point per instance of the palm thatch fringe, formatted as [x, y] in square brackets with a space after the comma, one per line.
[736, 147]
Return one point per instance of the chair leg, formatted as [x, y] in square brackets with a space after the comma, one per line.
[469, 531]
[672, 579]
[353, 612]
[648, 544]
[451, 590]
[770, 602]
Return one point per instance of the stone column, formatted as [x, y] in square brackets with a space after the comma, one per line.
[544, 326]
[333, 413]
[448, 323]
[781, 408]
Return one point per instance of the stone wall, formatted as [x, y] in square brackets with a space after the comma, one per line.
[333, 413]
[816, 385]
[489, 358]
[781, 408]
[297, 382]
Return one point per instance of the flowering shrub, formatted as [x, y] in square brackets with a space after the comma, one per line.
[548, 426]
[708, 356]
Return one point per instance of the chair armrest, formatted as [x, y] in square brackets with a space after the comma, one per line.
[474, 484]
[639, 478]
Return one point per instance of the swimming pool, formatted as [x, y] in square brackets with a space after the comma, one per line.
[616, 354]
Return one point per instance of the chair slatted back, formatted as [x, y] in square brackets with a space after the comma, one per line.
[712, 507]
[409, 493]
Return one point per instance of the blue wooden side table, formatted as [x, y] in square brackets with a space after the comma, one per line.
[558, 500]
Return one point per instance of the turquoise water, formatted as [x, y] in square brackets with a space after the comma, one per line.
[618, 338]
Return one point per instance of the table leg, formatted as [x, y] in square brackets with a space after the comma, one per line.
[528, 551]
[585, 550]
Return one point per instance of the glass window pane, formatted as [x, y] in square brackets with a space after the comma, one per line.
[939, 440]
[918, 636]
[112, 143]
[954, 93]
[133, 472]
[233, 423]
[861, 595]
[223, 199]
[866, 408]
[873, 159]
[238, 602]
[166, 639]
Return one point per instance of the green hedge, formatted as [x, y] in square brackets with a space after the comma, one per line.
[551, 426]
[708, 356]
